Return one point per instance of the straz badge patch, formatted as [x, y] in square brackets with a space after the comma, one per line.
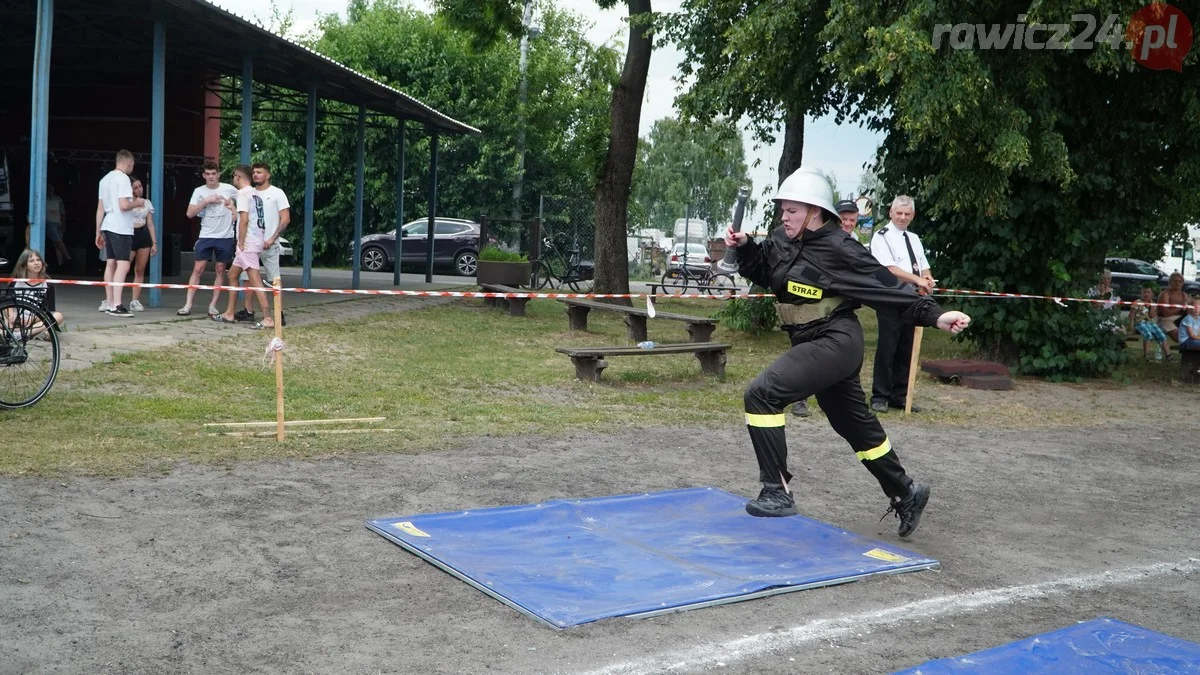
[804, 291]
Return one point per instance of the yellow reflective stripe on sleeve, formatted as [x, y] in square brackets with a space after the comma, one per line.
[875, 452]
[766, 420]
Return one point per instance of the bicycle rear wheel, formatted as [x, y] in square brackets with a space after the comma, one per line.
[722, 284]
[29, 354]
[581, 285]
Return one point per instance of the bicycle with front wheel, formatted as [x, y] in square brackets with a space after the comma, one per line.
[29, 351]
[705, 280]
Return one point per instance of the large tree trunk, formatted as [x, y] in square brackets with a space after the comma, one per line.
[793, 151]
[612, 190]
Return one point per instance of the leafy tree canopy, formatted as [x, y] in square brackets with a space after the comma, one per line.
[1028, 166]
[687, 168]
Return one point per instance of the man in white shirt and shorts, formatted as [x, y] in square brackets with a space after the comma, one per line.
[213, 202]
[114, 230]
[250, 238]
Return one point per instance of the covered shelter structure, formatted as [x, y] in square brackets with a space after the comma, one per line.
[83, 79]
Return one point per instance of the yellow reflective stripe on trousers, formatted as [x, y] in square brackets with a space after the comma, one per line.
[875, 452]
[766, 420]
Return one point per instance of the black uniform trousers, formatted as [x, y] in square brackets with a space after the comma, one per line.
[824, 360]
[893, 357]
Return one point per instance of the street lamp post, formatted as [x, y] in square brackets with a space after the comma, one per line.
[522, 87]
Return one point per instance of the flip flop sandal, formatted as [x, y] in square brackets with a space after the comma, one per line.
[184, 312]
[221, 319]
[260, 326]
[213, 311]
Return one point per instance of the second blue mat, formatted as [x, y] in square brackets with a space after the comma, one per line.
[1098, 647]
[574, 561]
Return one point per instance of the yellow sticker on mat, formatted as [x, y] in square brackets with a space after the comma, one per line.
[886, 556]
[796, 288]
[409, 528]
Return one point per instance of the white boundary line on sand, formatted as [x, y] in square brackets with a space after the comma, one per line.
[829, 629]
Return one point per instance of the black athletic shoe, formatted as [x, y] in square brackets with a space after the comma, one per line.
[915, 408]
[243, 315]
[772, 502]
[121, 311]
[801, 409]
[908, 509]
[880, 407]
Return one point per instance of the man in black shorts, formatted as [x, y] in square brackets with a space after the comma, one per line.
[114, 229]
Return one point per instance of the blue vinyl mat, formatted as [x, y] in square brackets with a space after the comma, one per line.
[1093, 647]
[574, 561]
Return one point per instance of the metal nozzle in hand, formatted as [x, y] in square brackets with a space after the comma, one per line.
[729, 262]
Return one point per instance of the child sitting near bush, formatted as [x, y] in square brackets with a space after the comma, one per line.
[1189, 328]
[1142, 317]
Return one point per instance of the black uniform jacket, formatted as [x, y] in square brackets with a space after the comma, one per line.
[828, 266]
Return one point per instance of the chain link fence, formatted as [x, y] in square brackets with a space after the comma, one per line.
[571, 222]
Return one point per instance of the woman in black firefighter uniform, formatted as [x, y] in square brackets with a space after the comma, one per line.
[810, 262]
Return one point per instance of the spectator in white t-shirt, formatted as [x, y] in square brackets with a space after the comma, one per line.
[114, 230]
[214, 203]
[250, 237]
[145, 244]
[273, 213]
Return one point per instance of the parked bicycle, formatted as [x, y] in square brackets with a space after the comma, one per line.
[563, 267]
[29, 351]
[679, 280]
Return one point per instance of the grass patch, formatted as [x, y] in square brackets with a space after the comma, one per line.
[438, 374]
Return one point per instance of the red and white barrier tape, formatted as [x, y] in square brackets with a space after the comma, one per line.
[941, 292]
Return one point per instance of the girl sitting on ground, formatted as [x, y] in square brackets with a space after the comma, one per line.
[1142, 317]
[31, 266]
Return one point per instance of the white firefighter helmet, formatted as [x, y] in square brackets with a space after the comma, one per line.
[807, 185]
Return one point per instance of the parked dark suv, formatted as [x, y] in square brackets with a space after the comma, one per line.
[455, 244]
[1130, 274]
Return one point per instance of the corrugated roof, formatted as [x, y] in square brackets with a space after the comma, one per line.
[301, 67]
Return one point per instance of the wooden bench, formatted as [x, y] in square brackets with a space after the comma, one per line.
[1189, 366]
[700, 328]
[589, 361]
[516, 306]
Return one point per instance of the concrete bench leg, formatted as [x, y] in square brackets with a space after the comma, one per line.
[713, 363]
[516, 306]
[701, 332]
[637, 327]
[577, 317]
[588, 368]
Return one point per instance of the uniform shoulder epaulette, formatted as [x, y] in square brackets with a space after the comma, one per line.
[883, 230]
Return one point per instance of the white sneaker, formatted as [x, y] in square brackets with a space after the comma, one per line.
[136, 306]
[103, 305]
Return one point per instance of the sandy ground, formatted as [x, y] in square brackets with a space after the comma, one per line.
[268, 568]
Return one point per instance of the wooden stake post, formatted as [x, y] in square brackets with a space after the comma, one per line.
[280, 428]
[913, 363]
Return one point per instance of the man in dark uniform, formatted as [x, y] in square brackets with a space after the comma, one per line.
[809, 261]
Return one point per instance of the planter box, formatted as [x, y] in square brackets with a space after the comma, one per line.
[504, 273]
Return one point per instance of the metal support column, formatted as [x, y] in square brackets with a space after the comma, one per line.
[433, 158]
[39, 133]
[310, 164]
[401, 127]
[360, 160]
[247, 104]
[158, 107]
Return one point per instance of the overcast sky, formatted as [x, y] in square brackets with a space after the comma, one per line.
[839, 150]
